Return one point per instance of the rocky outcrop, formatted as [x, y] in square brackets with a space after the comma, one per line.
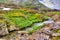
[3, 28]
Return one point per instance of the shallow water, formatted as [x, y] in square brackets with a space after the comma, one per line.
[55, 26]
[45, 22]
[41, 24]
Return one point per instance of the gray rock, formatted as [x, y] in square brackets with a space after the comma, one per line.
[3, 28]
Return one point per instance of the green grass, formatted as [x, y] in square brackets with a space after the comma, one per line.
[55, 12]
[23, 19]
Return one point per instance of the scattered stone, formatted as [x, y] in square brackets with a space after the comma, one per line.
[55, 34]
[12, 27]
[3, 28]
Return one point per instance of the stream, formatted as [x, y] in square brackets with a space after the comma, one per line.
[45, 22]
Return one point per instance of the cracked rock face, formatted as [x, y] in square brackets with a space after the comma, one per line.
[38, 36]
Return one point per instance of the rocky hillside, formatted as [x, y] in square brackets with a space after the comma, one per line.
[24, 3]
[26, 24]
